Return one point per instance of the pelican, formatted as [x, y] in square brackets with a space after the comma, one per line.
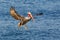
[23, 20]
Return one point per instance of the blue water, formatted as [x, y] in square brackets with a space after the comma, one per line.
[44, 27]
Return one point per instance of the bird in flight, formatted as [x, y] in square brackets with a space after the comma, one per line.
[23, 20]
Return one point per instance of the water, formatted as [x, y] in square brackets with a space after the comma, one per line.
[45, 27]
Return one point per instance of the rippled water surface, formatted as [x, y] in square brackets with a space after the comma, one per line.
[44, 27]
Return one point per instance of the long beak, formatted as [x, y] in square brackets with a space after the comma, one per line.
[32, 18]
[30, 15]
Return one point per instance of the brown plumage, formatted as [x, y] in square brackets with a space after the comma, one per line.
[15, 15]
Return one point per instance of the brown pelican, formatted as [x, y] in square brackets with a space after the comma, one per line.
[23, 20]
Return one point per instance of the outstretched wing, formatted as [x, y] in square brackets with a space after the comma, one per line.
[15, 15]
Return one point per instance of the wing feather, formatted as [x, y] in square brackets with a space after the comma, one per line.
[15, 14]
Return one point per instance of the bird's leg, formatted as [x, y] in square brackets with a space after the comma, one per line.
[26, 27]
[19, 25]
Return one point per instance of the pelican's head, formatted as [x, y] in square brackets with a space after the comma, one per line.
[30, 15]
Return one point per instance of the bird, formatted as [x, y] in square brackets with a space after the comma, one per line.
[23, 20]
